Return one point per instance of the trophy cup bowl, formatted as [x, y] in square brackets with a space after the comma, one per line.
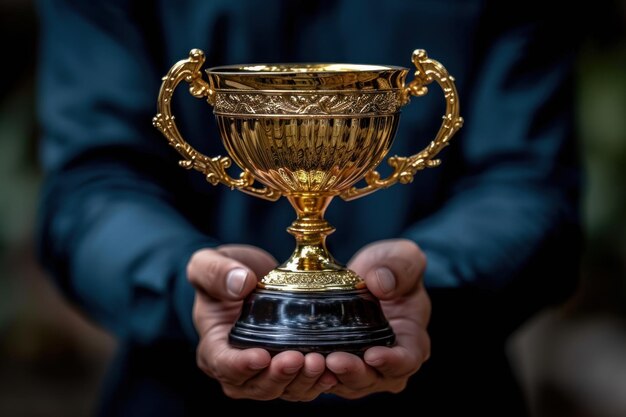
[308, 132]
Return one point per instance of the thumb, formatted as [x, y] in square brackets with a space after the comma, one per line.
[258, 260]
[391, 268]
[219, 276]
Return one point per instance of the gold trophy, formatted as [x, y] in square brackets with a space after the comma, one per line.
[308, 132]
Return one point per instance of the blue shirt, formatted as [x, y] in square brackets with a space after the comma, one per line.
[119, 219]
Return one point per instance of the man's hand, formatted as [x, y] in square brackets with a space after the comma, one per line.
[393, 272]
[223, 278]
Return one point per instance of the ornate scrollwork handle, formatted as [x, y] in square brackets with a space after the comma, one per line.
[404, 168]
[213, 168]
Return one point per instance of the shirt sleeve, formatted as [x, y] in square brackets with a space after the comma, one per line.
[518, 196]
[112, 231]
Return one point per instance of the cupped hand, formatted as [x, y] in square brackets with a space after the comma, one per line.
[392, 270]
[223, 277]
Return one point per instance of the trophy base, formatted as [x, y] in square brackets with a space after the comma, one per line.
[323, 322]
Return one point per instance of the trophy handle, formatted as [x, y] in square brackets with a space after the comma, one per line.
[427, 70]
[213, 168]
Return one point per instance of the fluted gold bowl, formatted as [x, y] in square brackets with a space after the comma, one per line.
[314, 128]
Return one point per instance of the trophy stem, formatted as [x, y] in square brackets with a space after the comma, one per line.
[310, 230]
[311, 267]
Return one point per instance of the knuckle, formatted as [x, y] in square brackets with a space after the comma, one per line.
[398, 386]
[202, 364]
[307, 397]
[425, 346]
[415, 260]
[409, 246]
[218, 373]
[264, 392]
[353, 395]
[212, 270]
[202, 266]
[206, 366]
[369, 386]
[405, 256]
[309, 375]
[427, 354]
[414, 368]
[288, 396]
[413, 364]
[196, 313]
[363, 385]
[232, 392]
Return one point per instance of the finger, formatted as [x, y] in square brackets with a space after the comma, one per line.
[229, 365]
[311, 381]
[402, 360]
[272, 381]
[352, 372]
[214, 316]
[391, 268]
[258, 260]
[411, 312]
[219, 276]
[409, 320]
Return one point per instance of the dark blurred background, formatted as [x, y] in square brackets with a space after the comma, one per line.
[571, 359]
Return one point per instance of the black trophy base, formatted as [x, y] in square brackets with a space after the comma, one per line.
[324, 322]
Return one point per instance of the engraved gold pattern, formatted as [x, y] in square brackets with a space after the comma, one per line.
[312, 281]
[307, 104]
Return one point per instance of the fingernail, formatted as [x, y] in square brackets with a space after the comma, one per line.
[235, 280]
[386, 280]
